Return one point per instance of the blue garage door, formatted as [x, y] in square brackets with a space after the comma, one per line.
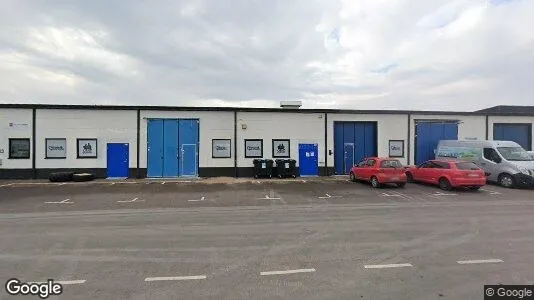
[428, 134]
[519, 133]
[352, 142]
[172, 147]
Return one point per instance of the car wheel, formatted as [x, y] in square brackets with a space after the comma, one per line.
[401, 185]
[409, 177]
[374, 182]
[506, 180]
[474, 188]
[444, 184]
[352, 177]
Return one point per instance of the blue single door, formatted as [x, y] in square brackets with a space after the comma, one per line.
[188, 133]
[308, 160]
[189, 160]
[349, 157]
[155, 148]
[170, 151]
[118, 160]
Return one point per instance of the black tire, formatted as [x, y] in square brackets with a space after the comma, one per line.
[61, 176]
[444, 184]
[401, 185]
[474, 188]
[83, 177]
[352, 177]
[506, 180]
[409, 177]
[375, 183]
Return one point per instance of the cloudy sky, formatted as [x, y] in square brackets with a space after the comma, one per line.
[359, 54]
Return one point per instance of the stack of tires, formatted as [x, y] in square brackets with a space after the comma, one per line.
[71, 176]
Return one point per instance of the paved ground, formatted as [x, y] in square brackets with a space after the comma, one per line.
[329, 238]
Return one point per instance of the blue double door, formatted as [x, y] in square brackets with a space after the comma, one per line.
[519, 133]
[172, 147]
[352, 142]
[427, 136]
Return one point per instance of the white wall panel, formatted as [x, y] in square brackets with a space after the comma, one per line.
[213, 125]
[108, 126]
[14, 123]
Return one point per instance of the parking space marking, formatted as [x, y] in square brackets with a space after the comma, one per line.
[130, 201]
[388, 266]
[175, 278]
[113, 183]
[480, 261]
[66, 201]
[389, 195]
[197, 200]
[491, 192]
[7, 184]
[285, 272]
[329, 196]
[444, 194]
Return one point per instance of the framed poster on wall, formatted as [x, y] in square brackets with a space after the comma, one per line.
[281, 149]
[87, 148]
[221, 148]
[254, 148]
[396, 148]
[56, 148]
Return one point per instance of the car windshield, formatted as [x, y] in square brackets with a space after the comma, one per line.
[467, 166]
[514, 154]
[390, 164]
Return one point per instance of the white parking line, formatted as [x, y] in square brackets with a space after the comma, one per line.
[480, 261]
[267, 273]
[7, 184]
[387, 266]
[175, 278]
[269, 198]
[197, 200]
[129, 201]
[389, 195]
[444, 194]
[329, 196]
[491, 192]
[163, 182]
[66, 201]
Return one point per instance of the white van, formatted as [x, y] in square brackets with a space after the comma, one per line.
[504, 162]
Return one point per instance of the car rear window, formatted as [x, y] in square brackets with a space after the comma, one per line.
[390, 164]
[467, 166]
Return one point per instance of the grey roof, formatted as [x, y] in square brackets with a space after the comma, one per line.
[508, 109]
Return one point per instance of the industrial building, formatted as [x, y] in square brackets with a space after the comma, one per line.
[164, 142]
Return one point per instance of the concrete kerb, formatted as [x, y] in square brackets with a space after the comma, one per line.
[167, 181]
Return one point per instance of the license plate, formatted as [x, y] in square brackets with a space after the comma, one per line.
[473, 175]
[395, 178]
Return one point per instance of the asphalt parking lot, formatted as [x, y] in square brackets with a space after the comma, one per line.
[265, 239]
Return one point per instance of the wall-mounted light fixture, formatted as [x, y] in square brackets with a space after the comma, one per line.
[244, 126]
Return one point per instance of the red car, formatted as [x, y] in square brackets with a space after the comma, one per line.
[448, 174]
[379, 171]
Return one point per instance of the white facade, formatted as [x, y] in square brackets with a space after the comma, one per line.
[212, 125]
[299, 128]
[14, 123]
[389, 127]
[509, 119]
[107, 126]
[469, 127]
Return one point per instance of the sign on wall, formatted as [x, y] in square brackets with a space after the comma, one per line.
[281, 148]
[221, 148]
[396, 148]
[56, 148]
[253, 148]
[87, 148]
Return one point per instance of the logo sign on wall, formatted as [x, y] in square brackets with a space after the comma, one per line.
[56, 148]
[396, 148]
[87, 148]
[221, 148]
[254, 148]
[281, 148]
